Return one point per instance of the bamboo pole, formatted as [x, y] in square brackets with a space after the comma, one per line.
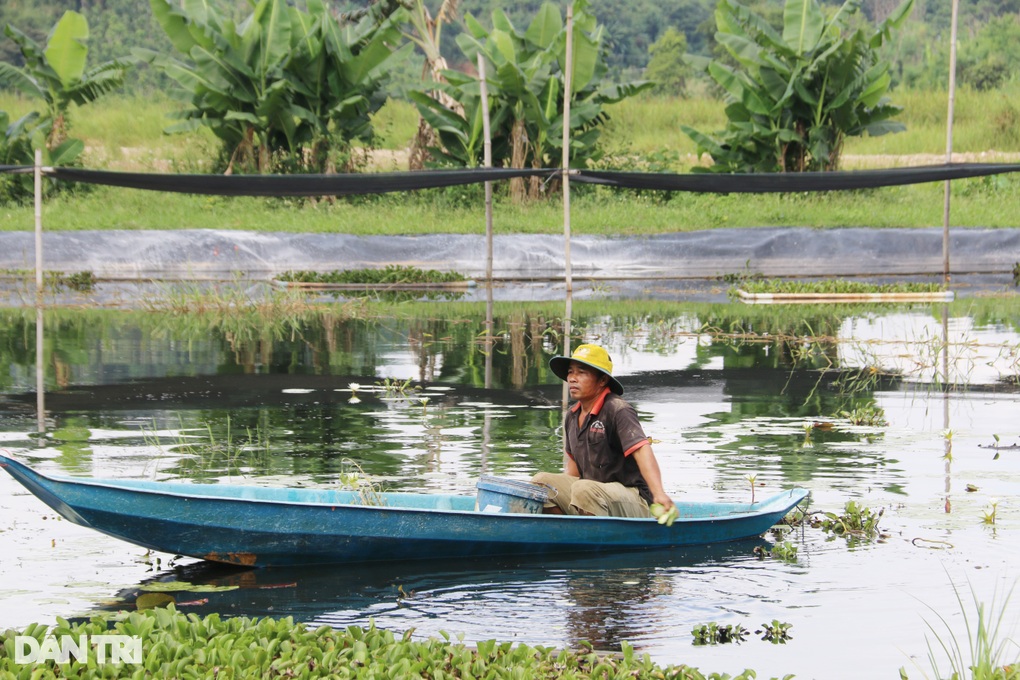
[40, 371]
[568, 72]
[949, 137]
[38, 226]
[487, 146]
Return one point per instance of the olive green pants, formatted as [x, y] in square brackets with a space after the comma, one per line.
[576, 496]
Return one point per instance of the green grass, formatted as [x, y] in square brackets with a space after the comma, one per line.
[984, 121]
[643, 133]
[988, 652]
[976, 203]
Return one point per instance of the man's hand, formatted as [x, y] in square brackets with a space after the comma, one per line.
[663, 514]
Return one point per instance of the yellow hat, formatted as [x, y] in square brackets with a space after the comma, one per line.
[589, 355]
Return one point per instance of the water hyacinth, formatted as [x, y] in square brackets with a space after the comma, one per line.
[188, 646]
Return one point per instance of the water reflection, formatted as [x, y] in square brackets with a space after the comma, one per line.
[748, 390]
[601, 599]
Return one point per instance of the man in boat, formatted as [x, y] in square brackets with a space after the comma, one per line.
[609, 467]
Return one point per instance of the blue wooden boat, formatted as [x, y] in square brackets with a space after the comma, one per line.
[263, 526]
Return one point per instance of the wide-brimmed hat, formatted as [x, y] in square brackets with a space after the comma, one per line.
[589, 355]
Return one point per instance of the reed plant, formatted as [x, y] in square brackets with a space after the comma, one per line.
[989, 651]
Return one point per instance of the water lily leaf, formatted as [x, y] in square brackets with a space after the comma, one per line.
[153, 600]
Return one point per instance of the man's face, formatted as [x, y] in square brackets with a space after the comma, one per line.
[584, 382]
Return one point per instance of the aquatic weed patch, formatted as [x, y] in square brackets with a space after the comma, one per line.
[187, 646]
[835, 287]
[391, 274]
[854, 523]
[81, 282]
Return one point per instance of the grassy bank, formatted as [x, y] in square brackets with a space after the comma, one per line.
[976, 203]
[643, 134]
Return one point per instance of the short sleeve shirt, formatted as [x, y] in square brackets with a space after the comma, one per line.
[602, 445]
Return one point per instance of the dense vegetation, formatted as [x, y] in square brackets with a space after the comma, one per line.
[989, 31]
[639, 134]
[180, 645]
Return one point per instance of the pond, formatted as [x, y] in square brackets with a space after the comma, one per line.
[908, 410]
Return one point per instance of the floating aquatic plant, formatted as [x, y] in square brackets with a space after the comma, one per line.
[784, 550]
[871, 416]
[179, 645]
[777, 632]
[391, 274]
[713, 633]
[856, 521]
[835, 286]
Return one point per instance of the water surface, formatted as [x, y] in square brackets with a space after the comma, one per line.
[419, 402]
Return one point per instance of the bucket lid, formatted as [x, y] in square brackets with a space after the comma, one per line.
[513, 487]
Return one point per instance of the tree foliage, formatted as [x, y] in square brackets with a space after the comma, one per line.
[525, 74]
[667, 68]
[797, 93]
[56, 74]
[919, 55]
[284, 89]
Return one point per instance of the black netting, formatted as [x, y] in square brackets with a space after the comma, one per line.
[705, 182]
[378, 183]
[293, 185]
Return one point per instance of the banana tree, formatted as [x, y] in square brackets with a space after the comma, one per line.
[525, 78]
[795, 95]
[426, 32]
[57, 75]
[286, 88]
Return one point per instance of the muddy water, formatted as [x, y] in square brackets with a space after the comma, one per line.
[726, 393]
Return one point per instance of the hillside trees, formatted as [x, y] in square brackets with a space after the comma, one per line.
[796, 95]
[666, 67]
[285, 90]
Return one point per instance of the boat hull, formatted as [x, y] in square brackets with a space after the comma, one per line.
[264, 526]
